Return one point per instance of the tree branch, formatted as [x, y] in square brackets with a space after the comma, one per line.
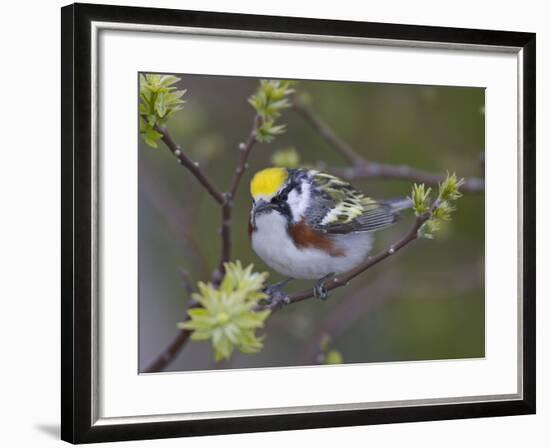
[168, 355]
[362, 168]
[324, 130]
[343, 280]
[227, 206]
[403, 172]
[245, 149]
[193, 167]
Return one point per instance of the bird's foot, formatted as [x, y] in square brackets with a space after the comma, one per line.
[320, 290]
[278, 286]
[276, 296]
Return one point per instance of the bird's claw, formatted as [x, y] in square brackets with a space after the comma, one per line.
[276, 296]
[320, 290]
[278, 299]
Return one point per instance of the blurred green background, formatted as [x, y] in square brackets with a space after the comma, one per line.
[425, 303]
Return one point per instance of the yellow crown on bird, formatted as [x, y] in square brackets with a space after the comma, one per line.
[268, 181]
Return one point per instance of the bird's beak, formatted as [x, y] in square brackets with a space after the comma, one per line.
[262, 206]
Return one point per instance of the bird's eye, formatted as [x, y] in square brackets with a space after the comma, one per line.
[283, 196]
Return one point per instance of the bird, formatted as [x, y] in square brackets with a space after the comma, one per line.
[308, 224]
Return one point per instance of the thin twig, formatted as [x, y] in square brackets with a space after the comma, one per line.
[245, 149]
[362, 168]
[324, 130]
[193, 167]
[227, 206]
[168, 355]
[225, 232]
[403, 172]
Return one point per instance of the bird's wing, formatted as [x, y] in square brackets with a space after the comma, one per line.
[343, 209]
[376, 216]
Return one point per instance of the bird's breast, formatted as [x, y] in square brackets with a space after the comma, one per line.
[307, 257]
[303, 236]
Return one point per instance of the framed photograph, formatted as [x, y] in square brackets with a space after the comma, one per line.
[275, 223]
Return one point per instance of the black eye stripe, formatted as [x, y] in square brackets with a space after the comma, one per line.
[281, 197]
[283, 194]
[294, 183]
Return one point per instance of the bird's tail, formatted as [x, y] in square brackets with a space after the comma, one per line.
[400, 204]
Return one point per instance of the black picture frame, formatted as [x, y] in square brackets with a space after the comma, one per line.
[76, 313]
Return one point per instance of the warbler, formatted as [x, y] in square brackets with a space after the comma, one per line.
[306, 224]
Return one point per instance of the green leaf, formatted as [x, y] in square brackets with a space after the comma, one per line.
[151, 143]
[268, 131]
[280, 104]
[197, 312]
[176, 96]
[252, 320]
[227, 317]
[159, 100]
[420, 197]
[223, 348]
[142, 125]
[151, 121]
[429, 229]
[146, 95]
[142, 81]
[201, 335]
[449, 188]
[268, 102]
[443, 211]
[168, 80]
[152, 134]
[160, 107]
[334, 357]
[232, 332]
[277, 130]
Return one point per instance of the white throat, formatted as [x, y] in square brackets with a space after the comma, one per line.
[298, 203]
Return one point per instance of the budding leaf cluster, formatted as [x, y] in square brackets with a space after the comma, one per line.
[285, 158]
[159, 100]
[334, 357]
[449, 188]
[441, 209]
[227, 317]
[269, 101]
[329, 355]
[429, 229]
[420, 198]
